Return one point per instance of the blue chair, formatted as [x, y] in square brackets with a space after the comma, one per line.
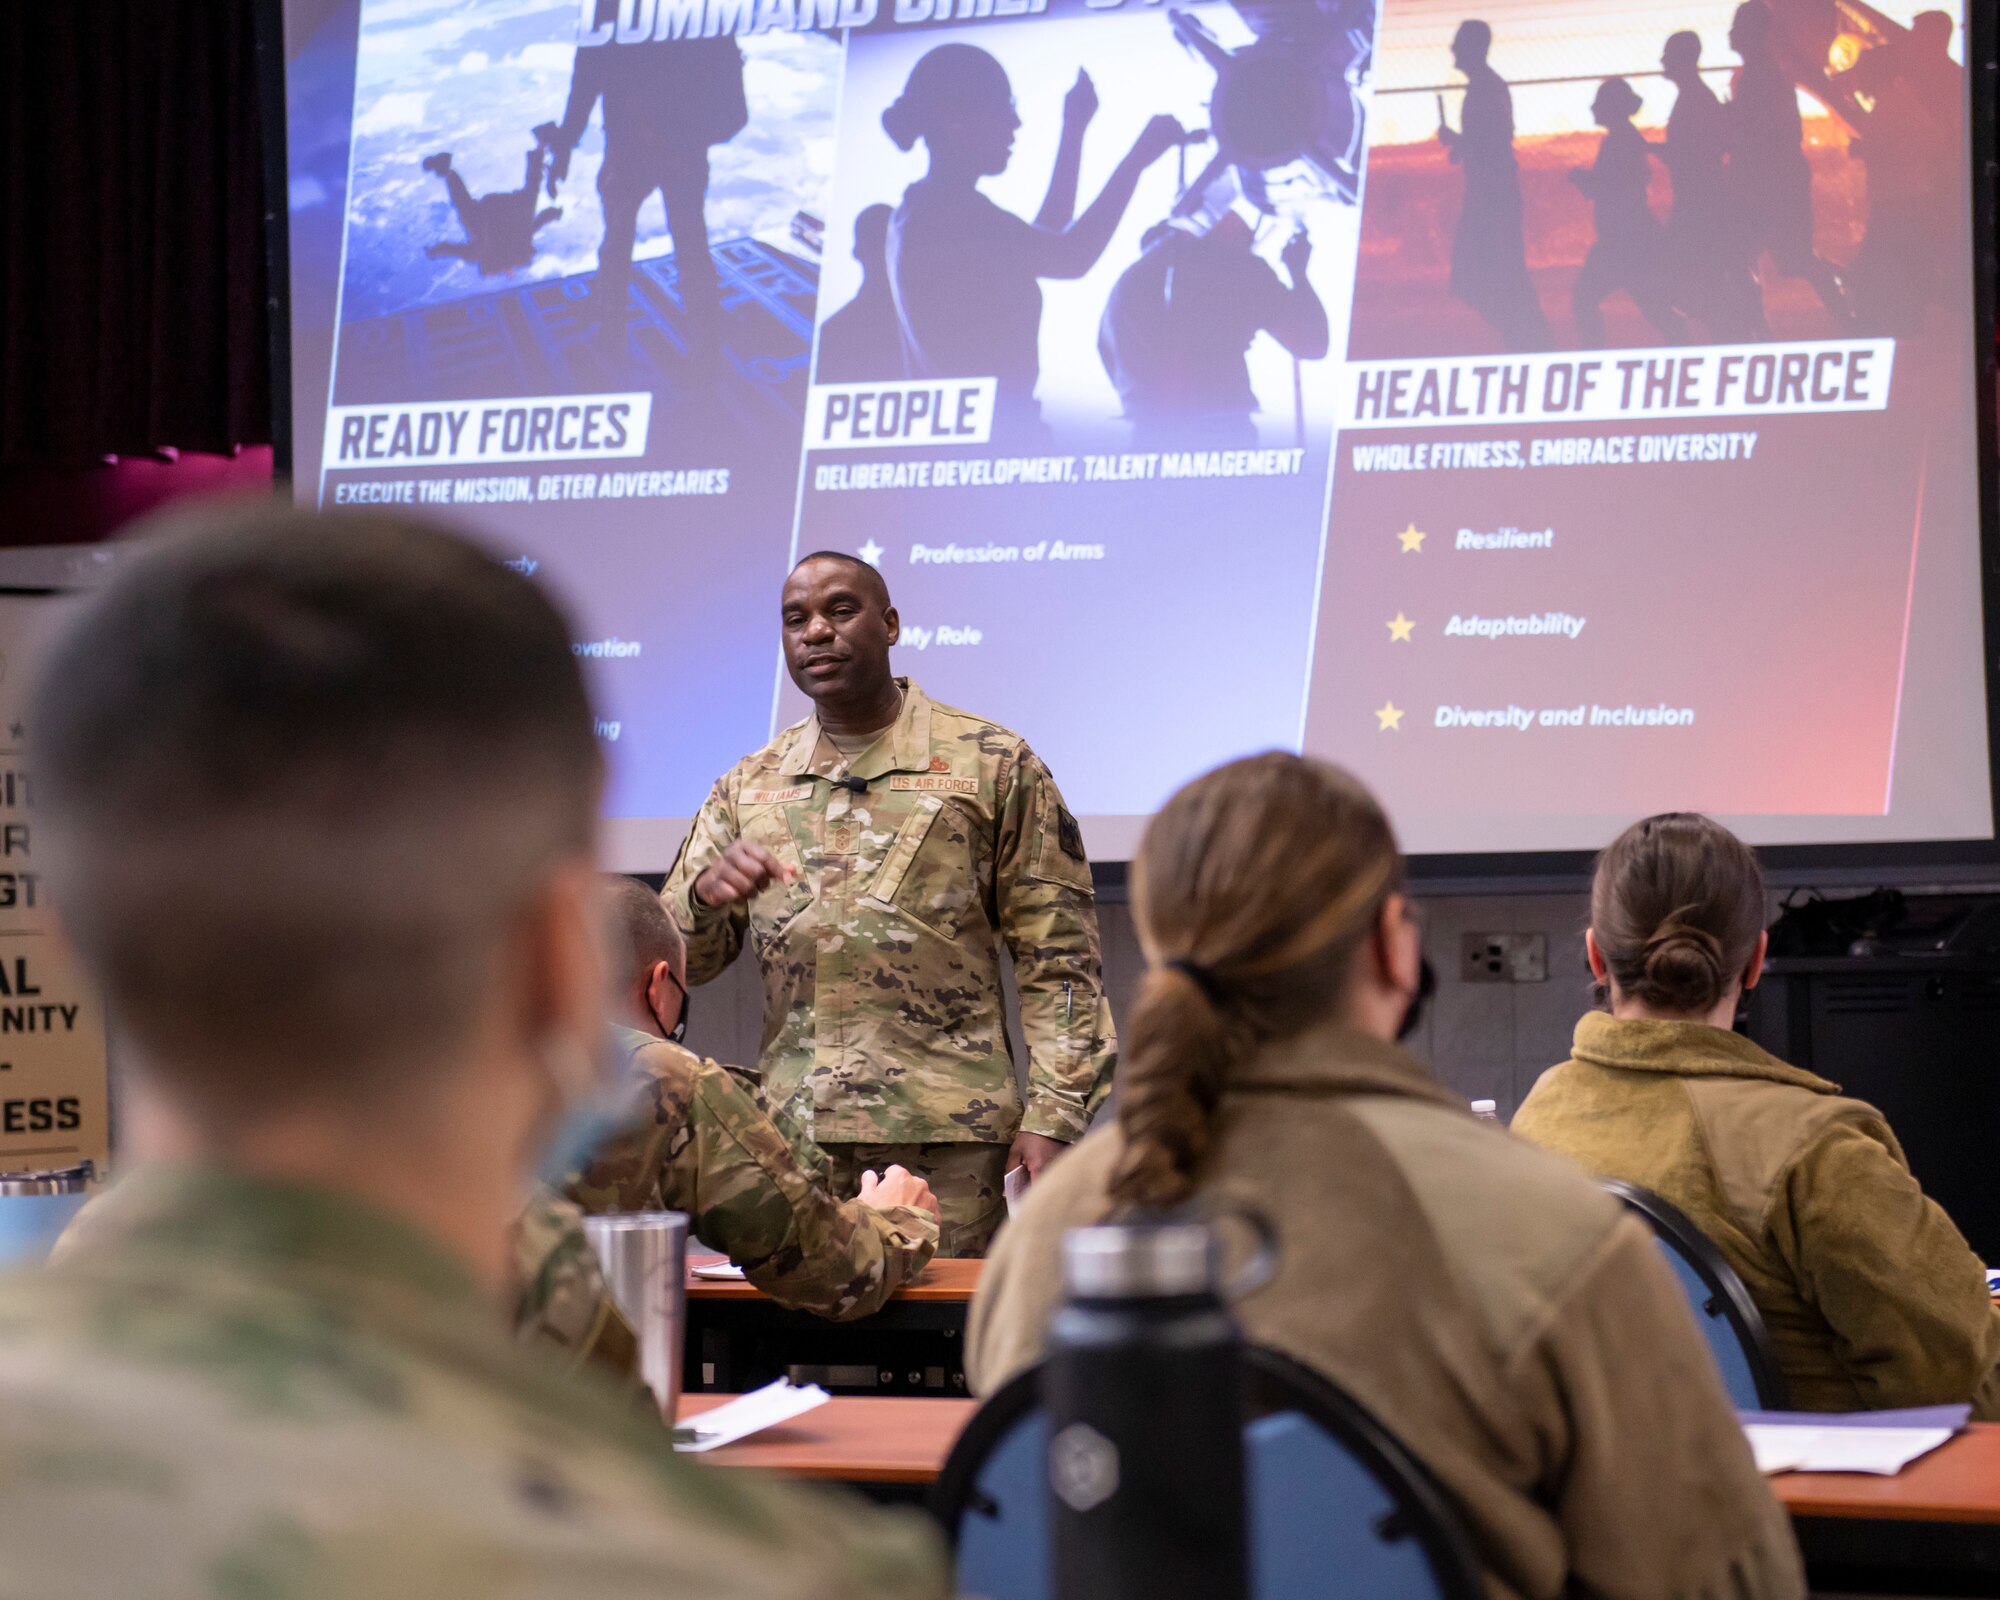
[1728, 1317]
[1337, 1506]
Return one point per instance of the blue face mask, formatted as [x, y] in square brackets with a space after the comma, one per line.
[598, 1097]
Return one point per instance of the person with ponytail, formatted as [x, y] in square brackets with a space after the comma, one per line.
[1872, 1297]
[965, 272]
[1499, 1314]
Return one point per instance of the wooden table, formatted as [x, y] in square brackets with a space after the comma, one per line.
[1933, 1529]
[739, 1339]
[850, 1439]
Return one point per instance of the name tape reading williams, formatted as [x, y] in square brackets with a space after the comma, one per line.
[1620, 385]
[921, 411]
[558, 427]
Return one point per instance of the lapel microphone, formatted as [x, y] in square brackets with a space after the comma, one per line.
[852, 784]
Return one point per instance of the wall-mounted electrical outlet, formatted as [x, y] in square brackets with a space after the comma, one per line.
[1504, 958]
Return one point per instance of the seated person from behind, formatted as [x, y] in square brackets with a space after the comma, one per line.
[1503, 1318]
[699, 1143]
[318, 800]
[1872, 1297]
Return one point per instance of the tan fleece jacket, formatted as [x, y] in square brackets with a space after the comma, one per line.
[1872, 1296]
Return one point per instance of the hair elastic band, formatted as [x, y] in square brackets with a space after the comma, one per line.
[1204, 980]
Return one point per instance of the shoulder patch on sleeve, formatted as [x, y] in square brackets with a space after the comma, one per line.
[1069, 834]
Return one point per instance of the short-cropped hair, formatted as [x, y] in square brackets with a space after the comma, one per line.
[295, 774]
[642, 932]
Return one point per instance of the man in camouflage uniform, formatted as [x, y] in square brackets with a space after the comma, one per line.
[317, 798]
[701, 1145]
[876, 856]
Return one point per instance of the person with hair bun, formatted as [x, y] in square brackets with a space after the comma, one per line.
[1872, 1297]
[1505, 1319]
[965, 272]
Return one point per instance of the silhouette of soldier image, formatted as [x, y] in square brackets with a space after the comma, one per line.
[1177, 330]
[1626, 254]
[966, 273]
[1489, 261]
[499, 228]
[863, 340]
[1770, 182]
[1708, 269]
[1911, 138]
[666, 102]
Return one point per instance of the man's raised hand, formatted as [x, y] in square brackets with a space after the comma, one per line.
[745, 869]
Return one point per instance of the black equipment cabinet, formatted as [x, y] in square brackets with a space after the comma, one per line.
[1918, 1037]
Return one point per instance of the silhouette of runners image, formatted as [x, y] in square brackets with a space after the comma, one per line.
[1769, 180]
[863, 340]
[1626, 254]
[1489, 261]
[666, 101]
[1911, 141]
[966, 273]
[499, 228]
[1177, 331]
[1709, 271]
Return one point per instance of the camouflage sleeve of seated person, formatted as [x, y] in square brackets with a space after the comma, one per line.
[701, 1145]
[562, 1303]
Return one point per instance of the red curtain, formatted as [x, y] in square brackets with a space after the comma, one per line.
[132, 270]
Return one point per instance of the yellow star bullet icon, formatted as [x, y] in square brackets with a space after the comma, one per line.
[1399, 629]
[1412, 540]
[1389, 719]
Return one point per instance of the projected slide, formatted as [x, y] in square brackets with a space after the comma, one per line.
[1555, 411]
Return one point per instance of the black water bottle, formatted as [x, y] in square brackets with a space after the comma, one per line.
[1143, 1387]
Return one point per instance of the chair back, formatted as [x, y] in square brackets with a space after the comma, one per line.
[1728, 1317]
[1337, 1506]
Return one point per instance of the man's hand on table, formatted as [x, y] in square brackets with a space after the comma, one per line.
[898, 1187]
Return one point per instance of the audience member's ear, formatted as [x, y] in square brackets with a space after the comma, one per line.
[663, 993]
[1755, 973]
[1399, 946]
[1595, 957]
[564, 984]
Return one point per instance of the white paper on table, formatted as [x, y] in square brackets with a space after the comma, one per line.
[747, 1414]
[1884, 1451]
[1013, 1186]
[718, 1271]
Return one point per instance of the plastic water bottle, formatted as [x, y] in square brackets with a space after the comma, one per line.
[1143, 1385]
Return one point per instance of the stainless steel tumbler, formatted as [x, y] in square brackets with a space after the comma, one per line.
[644, 1255]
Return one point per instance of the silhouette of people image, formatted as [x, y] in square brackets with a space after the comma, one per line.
[1911, 139]
[666, 103]
[1489, 260]
[1626, 253]
[1769, 179]
[1177, 330]
[499, 228]
[863, 340]
[966, 273]
[1708, 269]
